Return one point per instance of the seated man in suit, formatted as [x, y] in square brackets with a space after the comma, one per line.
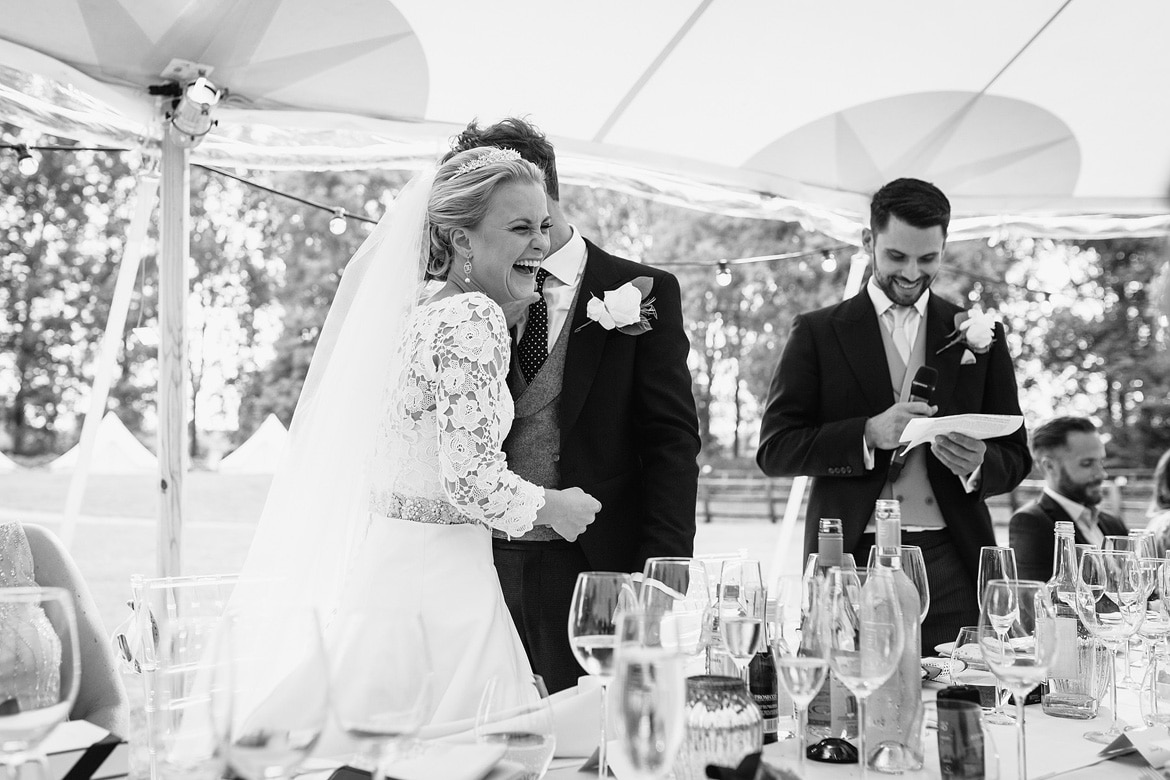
[1070, 452]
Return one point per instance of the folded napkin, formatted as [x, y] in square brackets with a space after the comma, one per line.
[449, 761]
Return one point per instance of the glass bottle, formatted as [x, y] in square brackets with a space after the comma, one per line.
[895, 711]
[1073, 682]
[833, 711]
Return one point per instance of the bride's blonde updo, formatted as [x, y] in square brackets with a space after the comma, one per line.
[463, 188]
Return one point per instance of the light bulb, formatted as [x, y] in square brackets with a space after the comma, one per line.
[723, 275]
[338, 224]
[829, 263]
[26, 163]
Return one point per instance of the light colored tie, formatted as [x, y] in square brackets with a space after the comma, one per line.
[1092, 531]
[902, 315]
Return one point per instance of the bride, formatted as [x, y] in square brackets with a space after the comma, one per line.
[394, 475]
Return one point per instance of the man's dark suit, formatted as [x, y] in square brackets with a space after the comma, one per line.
[1032, 534]
[833, 375]
[630, 439]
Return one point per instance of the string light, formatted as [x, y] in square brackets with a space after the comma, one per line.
[829, 262]
[26, 163]
[723, 274]
[338, 224]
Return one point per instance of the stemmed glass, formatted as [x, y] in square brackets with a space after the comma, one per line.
[518, 715]
[270, 695]
[39, 656]
[997, 563]
[1109, 602]
[650, 686]
[1154, 629]
[802, 656]
[677, 590]
[1141, 544]
[597, 598]
[1020, 655]
[915, 568]
[741, 606]
[381, 676]
[866, 637]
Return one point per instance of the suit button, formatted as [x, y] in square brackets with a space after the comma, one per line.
[900, 498]
[848, 469]
[556, 458]
[929, 501]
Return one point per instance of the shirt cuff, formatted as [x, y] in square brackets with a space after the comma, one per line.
[866, 454]
[971, 483]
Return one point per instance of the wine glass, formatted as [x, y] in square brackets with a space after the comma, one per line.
[1109, 602]
[273, 698]
[1140, 543]
[381, 676]
[915, 568]
[40, 659]
[997, 563]
[741, 605]
[597, 597]
[1155, 706]
[677, 589]
[866, 637]
[650, 688]
[1021, 656]
[801, 655]
[517, 714]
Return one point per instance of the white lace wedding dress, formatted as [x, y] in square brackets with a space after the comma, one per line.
[439, 483]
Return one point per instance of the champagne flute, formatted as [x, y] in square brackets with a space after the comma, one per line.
[741, 605]
[381, 677]
[271, 694]
[866, 637]
[997, 563]
[40, 659]
[802, 656]
[1109, 602]
[677, 589]
[915, 568]
[518, 715]
[1020, 657]
[597, 598]
[650, 686]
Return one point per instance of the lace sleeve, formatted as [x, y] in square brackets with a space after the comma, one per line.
[471, 360]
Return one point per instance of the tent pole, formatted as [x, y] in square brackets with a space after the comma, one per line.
[796, 494]
[173, 378]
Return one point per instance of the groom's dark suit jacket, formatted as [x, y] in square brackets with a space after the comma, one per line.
[1032, 534]
[629, 431]
[833, 375]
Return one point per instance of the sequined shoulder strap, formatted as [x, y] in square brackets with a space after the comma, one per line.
[16, 564]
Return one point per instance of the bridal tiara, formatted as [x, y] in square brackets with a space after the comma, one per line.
[487, 158]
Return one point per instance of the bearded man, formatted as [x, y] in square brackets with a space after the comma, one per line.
[841, 397]
[1071, 454]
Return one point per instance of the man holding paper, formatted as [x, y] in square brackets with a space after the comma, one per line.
[841, 398]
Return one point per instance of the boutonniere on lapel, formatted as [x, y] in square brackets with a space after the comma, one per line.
[975, 330]
[629, 308]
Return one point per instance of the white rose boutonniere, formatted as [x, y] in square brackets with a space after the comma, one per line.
[975, 329]
[628, 309]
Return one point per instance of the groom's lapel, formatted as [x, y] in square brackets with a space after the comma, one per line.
[587, 338]
[856, 325]
[939, 325]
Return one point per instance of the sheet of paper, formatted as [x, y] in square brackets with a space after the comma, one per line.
[922, 430]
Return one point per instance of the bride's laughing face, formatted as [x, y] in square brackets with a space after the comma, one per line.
[508, 244]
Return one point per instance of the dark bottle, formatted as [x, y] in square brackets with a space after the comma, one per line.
[764, 688]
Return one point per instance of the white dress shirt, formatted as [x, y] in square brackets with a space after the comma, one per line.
[1079, 514]
[565, 268]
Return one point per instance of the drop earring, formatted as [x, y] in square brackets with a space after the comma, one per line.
[467, 271]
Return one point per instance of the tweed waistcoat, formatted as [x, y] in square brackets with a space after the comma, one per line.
[912, 490]
[533, 445]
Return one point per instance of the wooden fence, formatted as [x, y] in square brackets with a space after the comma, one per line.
[738, 497]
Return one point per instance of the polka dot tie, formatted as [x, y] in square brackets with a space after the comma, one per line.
[534, 343]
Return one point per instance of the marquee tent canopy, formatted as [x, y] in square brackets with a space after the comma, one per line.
[260, 454]
[115, 451]
[1048, 117]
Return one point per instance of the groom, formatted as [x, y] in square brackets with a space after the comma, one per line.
[840, 399]
[605, 411]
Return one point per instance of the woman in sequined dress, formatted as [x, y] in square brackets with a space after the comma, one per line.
[30, 651]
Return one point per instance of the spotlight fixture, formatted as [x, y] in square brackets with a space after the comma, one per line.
[26, 163]
[338, 223]
[828, 262]
[723, 275]
[191, 116]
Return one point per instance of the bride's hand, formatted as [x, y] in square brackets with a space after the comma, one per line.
[568, 511]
